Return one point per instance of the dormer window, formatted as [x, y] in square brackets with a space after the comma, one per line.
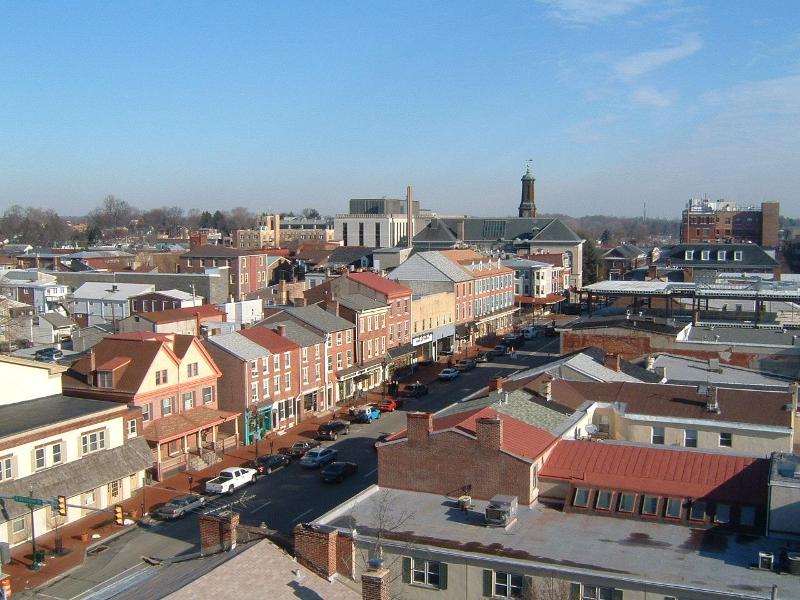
[705, 255]
[688, 255]
[105, 379]
[721, 254]
[737, 255]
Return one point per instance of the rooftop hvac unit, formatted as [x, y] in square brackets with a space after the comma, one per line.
[766, 560]
[501, 511]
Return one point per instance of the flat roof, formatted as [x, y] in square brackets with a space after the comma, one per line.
[41, 412]
[544, 537]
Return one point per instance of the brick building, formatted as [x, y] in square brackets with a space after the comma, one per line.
[250, 271]
[704, 221]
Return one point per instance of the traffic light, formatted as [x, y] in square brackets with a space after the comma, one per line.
[119, 516]
[62, 506]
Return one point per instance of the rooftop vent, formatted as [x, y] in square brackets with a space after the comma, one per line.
[713, 365]
[501, 511]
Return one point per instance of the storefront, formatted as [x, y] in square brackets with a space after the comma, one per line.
[428, 345]
[258, 423]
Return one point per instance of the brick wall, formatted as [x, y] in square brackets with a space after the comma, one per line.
[315, 548]
[344, 554]
[218, 533]
[446, 462]
[375, 584]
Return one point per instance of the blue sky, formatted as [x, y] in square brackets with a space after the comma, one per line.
[283, 105]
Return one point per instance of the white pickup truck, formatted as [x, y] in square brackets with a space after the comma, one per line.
[229, 479]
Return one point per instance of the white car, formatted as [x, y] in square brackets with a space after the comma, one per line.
[448, 374]
[230, 479]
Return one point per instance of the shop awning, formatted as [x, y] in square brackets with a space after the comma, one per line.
[404, 350]
[549, 299]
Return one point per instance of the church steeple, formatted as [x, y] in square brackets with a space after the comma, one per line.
[527, 206]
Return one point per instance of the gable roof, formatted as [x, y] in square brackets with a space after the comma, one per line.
[624, 251]
[753, 257]
[57, 320]
[346, 255]
[661, 471]
[319, 318]
[436, 233]
[173, 315]
[301, 335]
[429, 266]
[380, 284]
[211, 251]
[101, 290]
[359, 302]
[270, 340]
[238, 345]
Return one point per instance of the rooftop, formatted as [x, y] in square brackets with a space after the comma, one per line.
[359, 302]
[50, 410]
[104, 290]
[683, 369]
[594, 545]
[380, 284]
[319, 318]
[269, 339]
[172, 315]
[238, 345]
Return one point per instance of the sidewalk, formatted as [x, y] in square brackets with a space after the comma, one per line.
[145, 500]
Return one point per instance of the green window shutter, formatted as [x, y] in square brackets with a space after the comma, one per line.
[617, 595]
[574, 591]
[487, 583]
[442, 576]
[406, 569]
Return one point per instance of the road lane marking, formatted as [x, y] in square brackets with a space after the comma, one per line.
[301, 515]
[375, 470]
[257, 508]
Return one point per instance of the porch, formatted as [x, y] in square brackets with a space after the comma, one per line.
[190, 441]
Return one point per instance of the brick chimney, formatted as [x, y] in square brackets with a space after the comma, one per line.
[496, 384]
[332, 306]
[299, 301]
[375, 582]
[489, 431]
[92, 368]
[280, 330]
[546, 388]
[218, 533]
[315, 548]
[611, 361]
[419, 426]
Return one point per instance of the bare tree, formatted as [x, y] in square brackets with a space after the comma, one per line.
[549, 588]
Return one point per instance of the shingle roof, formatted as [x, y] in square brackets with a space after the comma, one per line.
[380, 284]
[167, 428]
[319, 318]
[624, 251]
[300, 335]
[359, 302]
[172, 315]
[430, 266]
[57, 320]
[752, 256]
[270, 340]
[345, 255]
[661, 471]
[680, 401]
[238, 345]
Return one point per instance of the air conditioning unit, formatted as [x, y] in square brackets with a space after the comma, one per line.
[766, 561]
[501, 511]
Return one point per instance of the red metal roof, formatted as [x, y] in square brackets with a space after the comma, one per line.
[659, 471]
[380, 284]
[172, 315]
[269, 339]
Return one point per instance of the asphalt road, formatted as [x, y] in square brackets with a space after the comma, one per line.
[289, 496]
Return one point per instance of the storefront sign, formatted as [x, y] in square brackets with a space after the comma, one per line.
[422, 339]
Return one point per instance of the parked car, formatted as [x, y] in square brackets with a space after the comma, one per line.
[48, 354]
[332, 430]
[367, 414]
[550, 331]
[179, 507]
[530, 332]
[466, 364]
[318, 457]
[414, 390]
[337, 471]
[230, 479]
[269, 463]
[448, 374]
[298, 449]
[484, 357]
[499, 350]
[386, 405]
[445, 353]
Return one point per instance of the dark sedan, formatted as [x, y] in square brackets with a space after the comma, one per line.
[298, 449]
[415, 390]
[179, 507]
[332, 430]
[266, 465]
[337, 471]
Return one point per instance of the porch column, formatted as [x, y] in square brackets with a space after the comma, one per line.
[199, 435]
[236, 428]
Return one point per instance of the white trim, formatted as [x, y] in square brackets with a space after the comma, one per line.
[710, 423]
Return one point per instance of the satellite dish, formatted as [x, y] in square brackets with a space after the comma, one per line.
[591, 429]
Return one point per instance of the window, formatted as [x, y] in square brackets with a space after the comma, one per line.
[688, 255]
[161, 377]
[338, 360]
[330, 363]
[705, 254]
[722, 514]
[507, 585]
[253, 368]
[317, 370]
[6, 468]
[425, 572]
[594, 592]
[697, 512]
[747, 516]
[287, 380]
[581, 499]
[305, 355]
[93, 441]
[625, 503]
[673, 509]
[105, 379]
[721, 254]
[287, 360]
[191, 369]
[208, 394]
[338, 338]
[131, 427]
[725, 439]
[690, 438]
[603, 501]
[349, 335]
[276, 383]
[40, 458]
[18, 525]
[146, 410]
[305, 374]
[657, 435]
[650, 505]
[188, 400]
[254, 391]
[737, 255]
[166, 407]
[264, 365]
[276, 362]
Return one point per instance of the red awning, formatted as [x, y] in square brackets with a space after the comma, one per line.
[549, 299]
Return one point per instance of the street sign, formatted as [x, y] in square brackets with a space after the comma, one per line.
[29, 501]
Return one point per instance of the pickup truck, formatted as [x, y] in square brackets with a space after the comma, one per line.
[229, 479]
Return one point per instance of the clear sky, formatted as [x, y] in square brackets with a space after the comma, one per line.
[282, 105]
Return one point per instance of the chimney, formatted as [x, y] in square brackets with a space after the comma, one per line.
[652, 272]
[611, 361]
[218, 532]
[496, 384]
[332, 306]
[419, 426]
[280, 330]
[489, 431]
[315, 548]
[650, 362]
[546, 388]
[299, 301]
[198, 328]
[661, 372]
[375, 582]
[410, 216]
